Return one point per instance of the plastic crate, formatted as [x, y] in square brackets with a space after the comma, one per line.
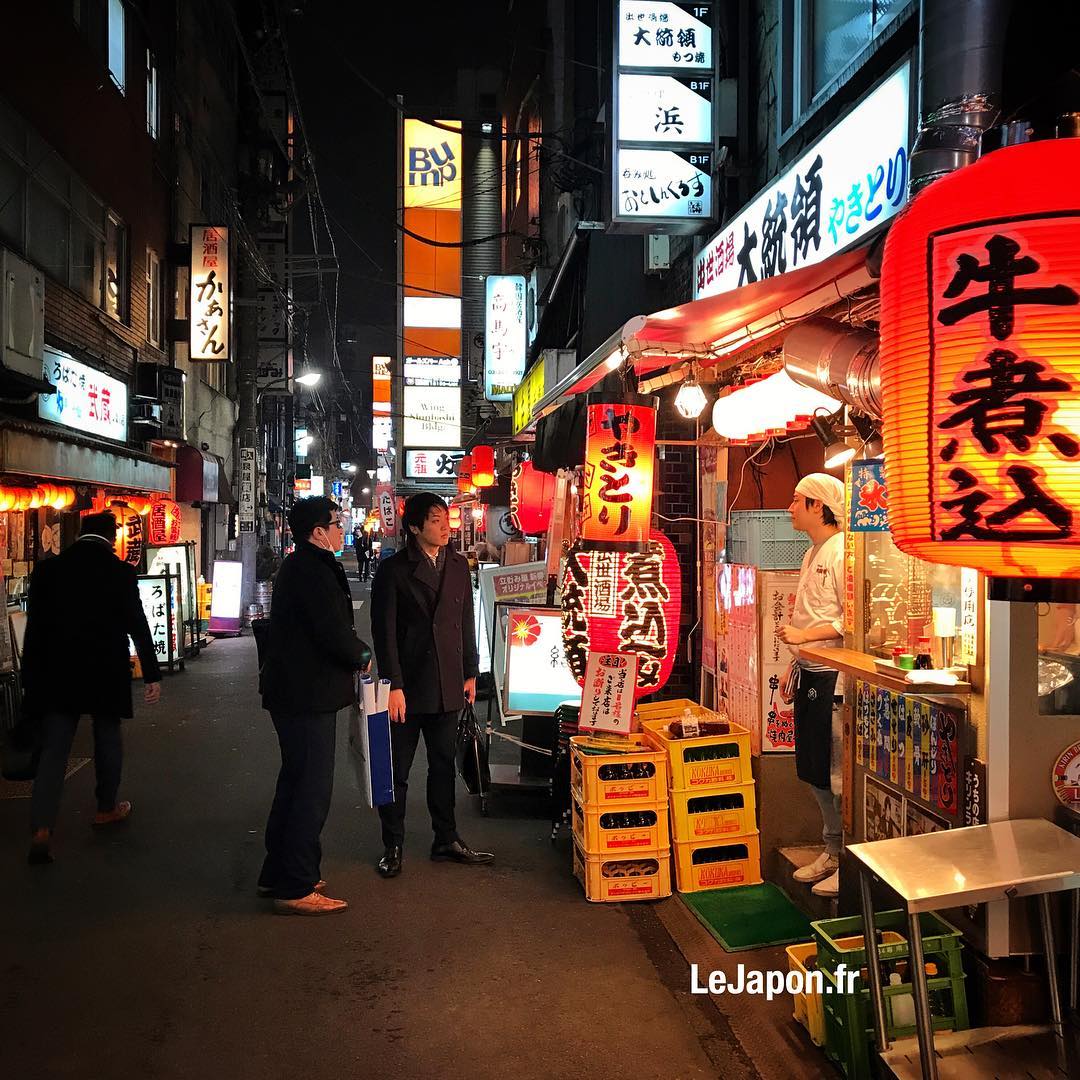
[604, 830]
[765, 539]
[706, 815]
[706, 762]
[841, 940]
[808, 1008]
[650, 710]
[618, 779]
[718, 864]
[611, 878]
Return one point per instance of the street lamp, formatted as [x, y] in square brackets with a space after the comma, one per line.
[365, 491]
[308, 375]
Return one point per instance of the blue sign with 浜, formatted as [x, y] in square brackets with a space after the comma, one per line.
[869, 497]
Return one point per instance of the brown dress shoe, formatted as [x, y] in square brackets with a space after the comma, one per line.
[312, 904]
[268, 890]
[120, 812]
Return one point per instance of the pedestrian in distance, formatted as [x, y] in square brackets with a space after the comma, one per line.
[362, 547]
[422, 625]
[307, 677]
[83, 606]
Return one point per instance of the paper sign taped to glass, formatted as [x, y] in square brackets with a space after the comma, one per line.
[369, 740]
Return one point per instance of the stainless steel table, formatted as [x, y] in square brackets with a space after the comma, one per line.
[952, 869]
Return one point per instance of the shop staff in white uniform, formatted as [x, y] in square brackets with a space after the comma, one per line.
[817, 509]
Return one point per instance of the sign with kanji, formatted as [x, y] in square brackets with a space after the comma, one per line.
[506, 335]
[660, 35]
[432, 464]
[869, 497]
[607, 703]
[210, 294]
[247, 489]
[663, 183]
[86, 399]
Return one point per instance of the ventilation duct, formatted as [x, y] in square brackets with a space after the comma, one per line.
[836, 359]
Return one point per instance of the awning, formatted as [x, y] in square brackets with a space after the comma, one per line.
[201, 477]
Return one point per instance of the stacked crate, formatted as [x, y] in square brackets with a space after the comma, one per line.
[712, 802]
[620, 813]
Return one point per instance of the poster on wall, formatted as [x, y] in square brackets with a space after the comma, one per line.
[869, 497]
[883, 812]
[918, 822]
[776, 602]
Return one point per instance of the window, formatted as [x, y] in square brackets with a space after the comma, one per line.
[116, 43]
[153, 104]
[153, 297]
[115, 268]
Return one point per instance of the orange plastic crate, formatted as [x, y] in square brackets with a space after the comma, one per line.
[697, 866]
[604, 829]
[712, 813]
[618, 779]
[704, 762]
[610, 878]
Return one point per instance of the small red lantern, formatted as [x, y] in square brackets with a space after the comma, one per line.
[980, 370]
[464, 475]
[483, 466]
[129, 534]
[455, 517]
[163, 523]
[532, 494]
[619, 450]
[623, 601]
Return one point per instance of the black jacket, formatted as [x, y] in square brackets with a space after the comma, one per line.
[82, 607]
[312, 650]
[425, 645]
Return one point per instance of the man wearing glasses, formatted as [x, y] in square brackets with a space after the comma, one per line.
[312, 654]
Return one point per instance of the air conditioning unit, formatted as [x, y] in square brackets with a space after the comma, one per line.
[145, 412]
[22, 316]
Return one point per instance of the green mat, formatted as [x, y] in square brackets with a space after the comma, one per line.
[748, 917]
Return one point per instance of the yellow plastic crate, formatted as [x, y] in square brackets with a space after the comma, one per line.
[612, 878]
[718, 864]
[602, 830]
[711, 813]
[652, 710]
[705, 762]
[618, 779]
[808, 1007]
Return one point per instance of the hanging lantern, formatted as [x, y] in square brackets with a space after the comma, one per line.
[464, 475]
[619, 449]
[483, 466]
[532, 496]
[129, 534]
[623, 601]
[163, 523]
[980, 370]
[455, 517]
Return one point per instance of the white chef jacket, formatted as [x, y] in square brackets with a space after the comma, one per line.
[820, 597]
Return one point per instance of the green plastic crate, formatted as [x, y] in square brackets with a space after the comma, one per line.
[941, 940]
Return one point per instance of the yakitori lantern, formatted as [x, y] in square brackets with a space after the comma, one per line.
[620, 444]
[163, 523]
[980, 366]
[483, 466]
[129, 534]
[464, 475]
[532, 495]
[623, 601]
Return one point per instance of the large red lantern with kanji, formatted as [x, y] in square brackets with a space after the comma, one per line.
[623, 601]
[620, 446]
[980, 366]
[163, 523]
[129, 534]
[483, 466]
[532, 498]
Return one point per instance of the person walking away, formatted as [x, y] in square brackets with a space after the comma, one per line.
[817, 509]
[83, 606]
[363, 554]
[422, 625]
[307, 676]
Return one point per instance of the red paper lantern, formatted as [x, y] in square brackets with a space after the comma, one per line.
[163, 523]
[619, 450]
[129, 534]
[980, 369]
[483, 466]
[532, 494]
[454, 514]
[464, 475]
[623, 601]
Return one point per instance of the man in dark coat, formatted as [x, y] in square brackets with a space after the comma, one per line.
[308, 675]
[83, 606]
[422, 623]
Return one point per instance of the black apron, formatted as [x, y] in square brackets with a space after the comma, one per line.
[813, 726]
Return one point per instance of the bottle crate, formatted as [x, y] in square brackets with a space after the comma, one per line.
[718, 864]
[704, 762]
[808, 1008]
[712, 813]
[613, 779]
[841, 940]
[602, 830]
[643, 875]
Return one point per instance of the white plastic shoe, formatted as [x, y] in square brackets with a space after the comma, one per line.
[829, 888]
[824, 865]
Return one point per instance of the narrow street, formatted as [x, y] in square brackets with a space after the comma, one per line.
[146, 954]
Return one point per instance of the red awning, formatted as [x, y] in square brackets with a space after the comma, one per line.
[200, 477]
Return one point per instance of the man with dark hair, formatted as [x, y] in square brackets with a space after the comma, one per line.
[83, 606]
[422, 623]
[307, 676]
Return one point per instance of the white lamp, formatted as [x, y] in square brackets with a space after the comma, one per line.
[690, 400]
[308, 375]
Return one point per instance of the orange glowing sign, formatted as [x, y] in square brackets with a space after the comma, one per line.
[619, 450]
[163, 523]
[980, 369]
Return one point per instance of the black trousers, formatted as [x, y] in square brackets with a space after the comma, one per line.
[301, 803]
[57, 734]
[440, 739]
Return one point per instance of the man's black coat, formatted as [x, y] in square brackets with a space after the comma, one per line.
[424, 644]
[82, 607]
[312, 651]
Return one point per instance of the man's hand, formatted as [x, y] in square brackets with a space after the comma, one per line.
[396, 707]
[152, 693]
[470, 690]
[791, 635]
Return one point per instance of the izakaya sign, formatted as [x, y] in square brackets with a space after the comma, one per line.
[505, 336]
[85, 399]
[980, 371]
[848, 183]
[657, 34]
[432, 464]
[211, 296]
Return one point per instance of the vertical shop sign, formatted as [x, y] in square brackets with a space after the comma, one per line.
[968, 652]
[974, 792]
[505, 336]
[247, 489]
[608, 700]
[211, 294]
[384, 493]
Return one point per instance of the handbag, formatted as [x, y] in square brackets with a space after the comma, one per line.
[20, 747]
[472, 753]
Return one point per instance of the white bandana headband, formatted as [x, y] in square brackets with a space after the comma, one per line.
[825, 489]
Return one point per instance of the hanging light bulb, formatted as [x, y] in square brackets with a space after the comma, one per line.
[837, 452]
[690, 400]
